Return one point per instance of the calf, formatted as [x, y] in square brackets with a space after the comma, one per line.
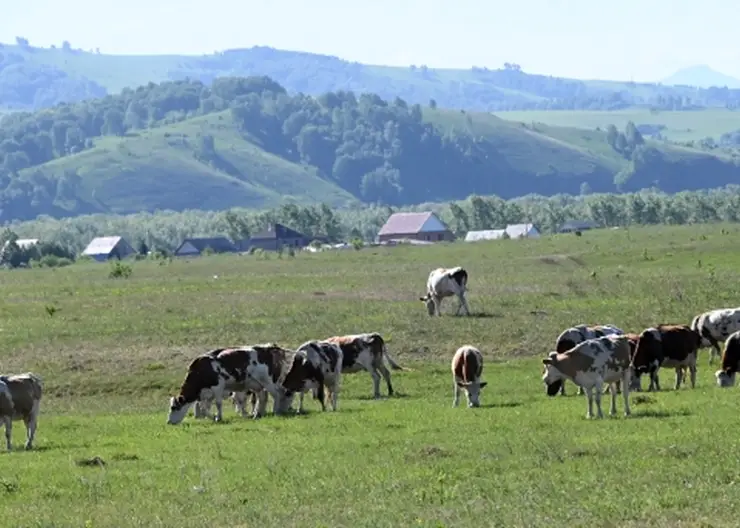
[591, 364]
[446, 282]
[467, 367]
[730, 361]
[20, 398]
[327, 358]
[256, 368]
[668, 346]
[578, 334]
[366, 352]
[714, 327]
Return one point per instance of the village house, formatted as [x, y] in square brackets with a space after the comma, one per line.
[105, 248]
[275, 237]
[191, 247]
[415, 226]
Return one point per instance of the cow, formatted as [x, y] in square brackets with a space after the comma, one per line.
[667, 346]
[327, 358]
[304, 373]
[255, 368]
[730, 361]
[446, 282]
[201, 407]
[591, 364]
[467, 367]
[366, 352]
[20, 399]
[714, 327]
[575, 335]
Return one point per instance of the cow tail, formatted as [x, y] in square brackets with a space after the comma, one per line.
[391, 361]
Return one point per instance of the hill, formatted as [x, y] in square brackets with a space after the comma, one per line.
[481, 89]
[702, 76]
[247, 142]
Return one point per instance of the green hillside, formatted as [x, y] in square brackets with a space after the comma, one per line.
[70, 74]
[247, 142]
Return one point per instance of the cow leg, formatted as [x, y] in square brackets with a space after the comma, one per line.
[714, 350]
[376, 383]
[321, 396]
[219, 409]
[562, 388]
[455, 393]
[627, 378]
[261, 408]
[598, 390]
[386, 376]
[465, 304]
[692, 373]
[31, 421]
[300, 402]
[580, 390]
[613, 391]
[679, 376]
[437, 305]
[590, 408]
[654, 381]
[8, 431]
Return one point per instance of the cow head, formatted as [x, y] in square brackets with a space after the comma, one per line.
[648, 351]
[473, 390]
[427, 300]
[552, 377]
[178, 409]
[725, 379]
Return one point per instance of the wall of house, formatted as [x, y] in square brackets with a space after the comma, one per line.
[433, 236]
[273, 245]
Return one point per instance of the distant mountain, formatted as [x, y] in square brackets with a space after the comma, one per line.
[701, 76]
[33, 78]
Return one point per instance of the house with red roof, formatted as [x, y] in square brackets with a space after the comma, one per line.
[415, 226]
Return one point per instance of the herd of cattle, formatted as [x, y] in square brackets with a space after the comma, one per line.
[591, 357]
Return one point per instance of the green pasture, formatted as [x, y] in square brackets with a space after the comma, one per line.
[680, 126]
[111, 351]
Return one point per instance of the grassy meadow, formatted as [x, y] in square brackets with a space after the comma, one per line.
[114, 349]
[680, 126]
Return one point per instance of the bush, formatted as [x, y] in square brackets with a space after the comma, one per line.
[119, 270]
[53, 261]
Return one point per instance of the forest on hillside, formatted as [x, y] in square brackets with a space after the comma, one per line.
[163, 232]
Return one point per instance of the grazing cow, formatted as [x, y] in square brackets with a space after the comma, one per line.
[326, 358]
[255, 368]
[201, 408]
[446, 282]
[668, 346]
[366, 352]
[591, 364]
[304, 373]
[730, 361]
[20, 398]
[715, 327]
[578, 334]
[467, 367]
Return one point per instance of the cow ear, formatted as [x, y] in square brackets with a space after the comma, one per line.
[547, 361]
[422, 299]
[483, 384]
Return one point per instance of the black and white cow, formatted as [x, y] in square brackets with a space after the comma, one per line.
[256, 368]
[366, 352]
[446, 282]
[317, 365]
[714, 327]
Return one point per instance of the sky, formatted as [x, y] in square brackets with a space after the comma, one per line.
[640, 40]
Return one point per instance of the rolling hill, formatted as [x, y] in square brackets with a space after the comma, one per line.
[79, 74]
[247, 142]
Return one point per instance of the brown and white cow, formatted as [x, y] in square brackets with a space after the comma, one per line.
[714, 327]
[730, 361]
[575, 335]
[256, 368]
[20, 399]
[667, 346]
[467, 367]
[327, 359]
[591, 364]
[446, 282]
[366, 352]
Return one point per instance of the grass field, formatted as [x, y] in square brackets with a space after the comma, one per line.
[116, 348]
[680, 126]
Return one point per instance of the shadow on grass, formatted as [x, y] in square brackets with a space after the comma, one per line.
[396, 396]
[482, 315]
[501, 405]
[660, 413]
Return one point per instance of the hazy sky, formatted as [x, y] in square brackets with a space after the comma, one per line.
[645, 40]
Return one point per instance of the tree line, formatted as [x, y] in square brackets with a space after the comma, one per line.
[164, 231]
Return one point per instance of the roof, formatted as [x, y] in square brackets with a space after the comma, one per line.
[488, 234]
[102, 245]
[412, 223]
[517, 230]
[277, 231]
[221, 244]
[24, 243]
